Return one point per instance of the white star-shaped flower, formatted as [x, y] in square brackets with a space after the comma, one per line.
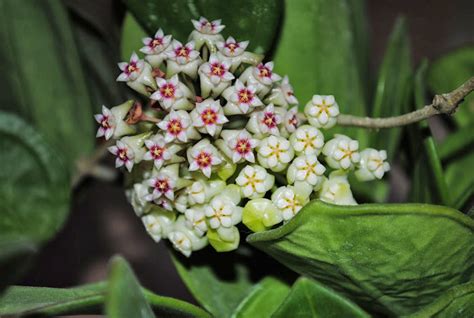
[208, 117]
[307, 140]
[322, 111]
[162, 184]
[208, 27]
[254, 181]
[131, 70]
[107, 123]
[287, 201]
[239, 145]
[306, 168]
[196, 220]
[291, 120]
[177, 127]
[159, 151]
[341, 152]
[283, 94]
[217, 70]
[372, 165]
[241, 99]
[155, 48]
[275, 153]
[203, 156]
[182, 58]
[235, 52]
[112, 121]
[265, 122]
[124, 153]
[264, 73]
[172, 94]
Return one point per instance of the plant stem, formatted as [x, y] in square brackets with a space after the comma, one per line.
[441, 104]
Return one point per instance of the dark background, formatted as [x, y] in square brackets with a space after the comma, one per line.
[102, 223]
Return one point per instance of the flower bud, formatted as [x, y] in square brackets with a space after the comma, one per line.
[307, 140]
[184, 239]
[288, 202]
[260, 214]
[372, 165]
[254, 181]
[158, 223]
[337, 190]
[224, 245]
[306, 169]
[342, 152]
[322, 111]
[282, 94]
[275, 153]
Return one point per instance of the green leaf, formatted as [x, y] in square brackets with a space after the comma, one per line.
[392, 258]
[241, 18]
[457, 142]
[392, 96]
[460, 179]
[309, 299]
[449, 72]
[428, 181]
[21, 300]
[124, 296]
[457, 302]
[42, 78]
[307, 53]
[264, 298]
[132, 34]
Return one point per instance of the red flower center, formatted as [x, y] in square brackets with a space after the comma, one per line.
[157, 152]
[182, 51]
[243, 146]
[245, 96]
[217, 69]
[175, 126]
[156, 42]
[162, 185]
[293, 121]
[167, 90]
[264, 71]
[122, 154]
[105, 122]
[232, 46]
[204, 159]
[269, 119]
[131, 67]
[209, 116]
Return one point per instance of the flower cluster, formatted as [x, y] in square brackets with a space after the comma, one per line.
[220, 142]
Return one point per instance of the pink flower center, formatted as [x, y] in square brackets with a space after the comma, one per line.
[157, 152]
[264, 71]
[245, 96]
[209, 116]
[156, 42]
[232, 46]
[131, 67]
[105, 122]
[207, 24]
[243, 146]
[269, 119]
[122, 153]
[204, 159]
[167, 90]
[293, 121]
[175, 127]
[217, 69]
[182, 51]
[162, 185]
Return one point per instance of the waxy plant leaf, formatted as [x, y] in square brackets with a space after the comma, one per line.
[309, 299]
[241, 18]
[34, 195]
[456, 302]
[394, 85]
[392, 258]
[450, 71]
[264, 298]
[50, 94]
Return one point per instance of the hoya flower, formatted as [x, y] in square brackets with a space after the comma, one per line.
[238, 145]
[254, 181]
[261, 214]
[177, 127]
[129, 150]
[172, 94]
[163, 183]
[337, 190]
[208, 117]
[372, 165]
[342, 152]
[322, 111]
[282, 94]
[307, 140]
[288, 202]
[136, 197]
[235, 52]
[262, 75]
[203, 156]
[215, 76]
[159, 151]
[290, 121]
[206, 32]
[307, 169]
[137, 74]
[265, 122]
[182, 59]
[184, 239]
[155, 48]
[241, 99]
[112, 121]
[164, 203]
[201, 191]
[275, 153]
[196, 220]
[222, 212]
[158, 224]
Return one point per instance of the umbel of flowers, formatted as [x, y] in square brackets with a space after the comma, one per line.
[219, 141]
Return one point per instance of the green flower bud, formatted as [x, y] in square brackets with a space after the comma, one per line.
[231, 242]
[261, 214]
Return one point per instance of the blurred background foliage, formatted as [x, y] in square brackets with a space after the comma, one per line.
[58, 65]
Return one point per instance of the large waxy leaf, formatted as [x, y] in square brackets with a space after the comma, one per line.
[309, 299]
[42, 79]
[34, 195]
[393, 258]
[428, 181]
[450, 71]
[124, 297]
[241, 18]
[321, 55]
[392, 96]
[264, 298]
[457, 302]
[460, 179]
